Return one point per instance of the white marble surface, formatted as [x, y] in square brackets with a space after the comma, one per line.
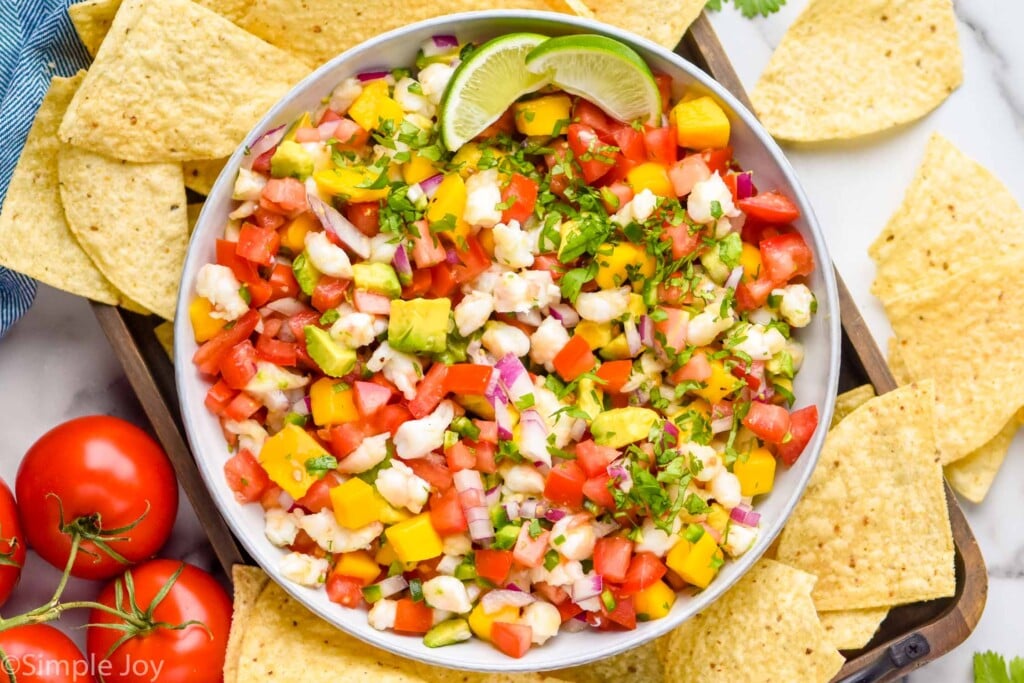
[55, 364]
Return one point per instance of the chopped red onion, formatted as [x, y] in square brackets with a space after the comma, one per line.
[722, 424]
[470, 486]
[579, 428]
[647, 331]
[285, 500]
[734, 278]
[448, 564]
[445, 41]
[565, 314]
[287, 307]
[589, 586]
[633, 340]
[671, 428]
[512, 510]
[745, 185]
[429, 186]
[531, 509]
[339, 226]
[620, 475]
[301, 407]
[476, 513]
[745, 515]
[514, 376]
[503, 419]
[263, 144]
[496, 599]
[327, 130]
[392, 585]
[368, 76]
[554, 514]
[451, 257]
[533, 437]
[721, 417]
[481, 530]
[403, 268]
[492, 497]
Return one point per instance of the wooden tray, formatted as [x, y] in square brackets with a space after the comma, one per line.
[910, 636]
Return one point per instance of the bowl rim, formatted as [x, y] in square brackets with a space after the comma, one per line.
[617, 642]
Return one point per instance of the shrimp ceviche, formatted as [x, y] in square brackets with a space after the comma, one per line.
[527, 385]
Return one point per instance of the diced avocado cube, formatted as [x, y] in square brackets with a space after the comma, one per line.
[716, 269]
[305, 274]
[448, 633]
[379, 278]
[419, 325]
[291, 160]
[333, 358]
[622, 426]
[506, 537]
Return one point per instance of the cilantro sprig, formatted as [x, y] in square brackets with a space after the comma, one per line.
[750, 8]
[991, 667]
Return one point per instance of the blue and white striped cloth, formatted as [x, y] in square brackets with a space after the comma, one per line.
[37, 41]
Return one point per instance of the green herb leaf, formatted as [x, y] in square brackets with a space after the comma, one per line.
[750, 8]
[321, 465]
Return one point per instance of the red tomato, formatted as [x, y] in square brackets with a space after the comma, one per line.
[434, 472]
[768, 422]
[611, 557]
[664, 82]
[329, 293]
[208, 356]
[520, 196]
[589, 114]
[506, 124]
[344, 591]
[565, 484]
[12, 543]
[261, 164]
[467, 378]
[194, 653]
[593, 156]
[512, 639]
[460, 457]
[390, 418]
[246, 477]
[276, 351]
[350, 135]
[429, 392]
[684, 240]
[574, 359]
[550, 263]
[287, 193]
[346, 437]
[242, 407]
[529, 551]
[420, 284]
[697, 369]
[751, 295]
[644, 569]
[318, 496]
[672, 330]
[630, 142]
[615, 374]
[239, 365]
[427, 249]
[786, 256]
[802, 424]
[493, 565]
[661, 146]
[258, 245]
[93, 474]
[442, 281]
[624, 614]
[283, 283]
[39, 653]
[773, 208]
[413, 617]
[718, 159]
[371, 397]
[219, 397]
[446, 515]
[365, 216]
[473, 260]
[267, 219]
[596, 489]
[594, 459]
[615, 196]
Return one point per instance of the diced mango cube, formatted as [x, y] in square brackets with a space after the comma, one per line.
[750, 259]
[696, 563]
[637, 308]
[654, 602]
[374, 105]
[651, 176]
[718, 518]
[293, 235]
[204, 326]
[471, 156]
[392, 515]
[358, 565]
[450, 200]
[415, 539]
[387, 556]
[350, 182]
[757, 474]
[332, 402]
[621, 262]
[701, 124]
[417, 169]
[548, 115]
[719, 385]
[595, 334]
[481, 623]
[284, 457]
[356, 504]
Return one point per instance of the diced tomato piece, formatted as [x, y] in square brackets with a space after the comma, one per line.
[661, 146]
[664, 83]
[687, 172]
[413, 617]
[485, 456]
[565, 484]
[460, 457]
[568, 609]
[298, 322]
[630, 142]
[488, 430]
[241, 407]
[218, 398]
[786, 256]
[671, 332]
[574, 359]
[283, 283]
[697, 369]
[329, 293]
[276, 351]
[442, 281]
[802, 424]
[768, 422]
[773, 208]
[344, 591]
[506, 124]
[611, 557]
[596, 489]
[245, 476]
[429, 392]
[529, 551]
[446, 515]
[390, 417]
[553, 594]
[594, 459]
[624, 614]
[512, 639]
[589, 114]
[208, 356]
[420, 284]
[427, 249]
[287, 193]
[473, 260]
[267, 219]
[258, 245]
[644, 569]
[718, 159]
[432, 471]
[520, 195]
[371, 397]
[467, 378]
[368, 302]
[550, 263]
[493, 565]
[271, 497]
[684, 241]
[261, 164]
[592, 155]
[615, 374]
[751, 295]
[350, 135]
[615, 196]
[227, 256]
[346, 437]
[318, 496]
[365, 216]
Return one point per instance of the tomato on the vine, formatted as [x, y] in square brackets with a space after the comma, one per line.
[39, 653]
[177, 638]
[103, 480]
[12, 543]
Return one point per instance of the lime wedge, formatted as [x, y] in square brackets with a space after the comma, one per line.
[486, 84]
[601, 70]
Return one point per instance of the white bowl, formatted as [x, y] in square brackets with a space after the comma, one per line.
[816, 383]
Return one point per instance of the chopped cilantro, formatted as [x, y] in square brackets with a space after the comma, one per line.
[319, 466]
[329, 317]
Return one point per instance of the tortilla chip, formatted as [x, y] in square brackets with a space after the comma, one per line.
[164, 333]
[852, 629]
[653, 21]
[846, 69]
[193, 211]
[34, 237]
[953, 212]
[849, 401]
[970, 347]
[897, 365]
[766, 624]
[248, 582]
[972, 476]
[131, 220]
[873, 524]
[639, 664]
[319, 30]
[175, 82]
[201, 175]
